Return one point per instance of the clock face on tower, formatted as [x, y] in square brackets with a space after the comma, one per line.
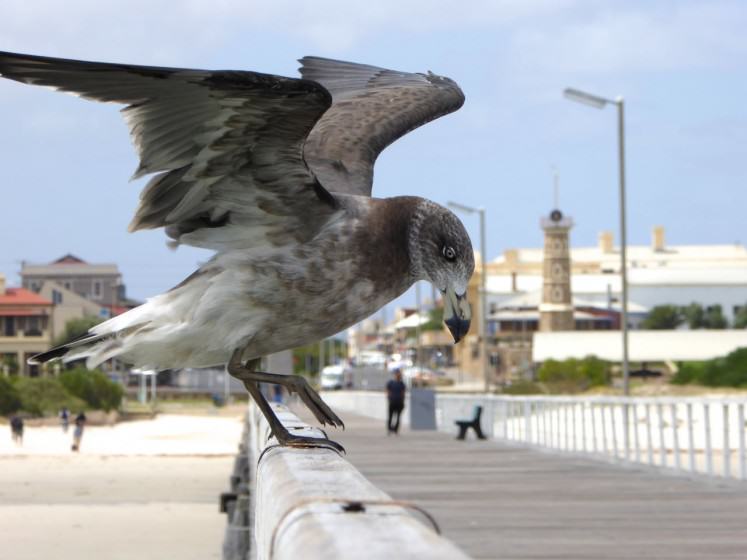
[557, 294]
[557, 271]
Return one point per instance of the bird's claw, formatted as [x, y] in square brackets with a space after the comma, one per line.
[289, 440]
[316, 405]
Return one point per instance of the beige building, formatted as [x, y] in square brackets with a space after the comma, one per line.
[68, 306]
[25, 328]
[99, 283]
[658, 273]
[468, 354]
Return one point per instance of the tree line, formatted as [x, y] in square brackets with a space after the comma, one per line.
[694, 316]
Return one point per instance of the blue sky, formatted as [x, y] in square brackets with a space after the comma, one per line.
[681, 66]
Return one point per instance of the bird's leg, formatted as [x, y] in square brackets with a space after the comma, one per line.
[247, 375]
[297, 384]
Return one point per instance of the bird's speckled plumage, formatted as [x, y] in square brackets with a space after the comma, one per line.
[372, 108]
[274, 174]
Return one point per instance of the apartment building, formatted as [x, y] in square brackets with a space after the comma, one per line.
[99, 283]
[25, 328]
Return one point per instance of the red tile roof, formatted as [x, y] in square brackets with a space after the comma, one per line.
[69, 259]
[118, 309]
[21, 296]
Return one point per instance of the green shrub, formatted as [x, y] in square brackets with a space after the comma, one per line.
[729, 371]
[664, 317]
[75, 328]
[435, 320]
[10, 401]
[688, 372]
[523, 387]
[44, 395]
[740, 319]
[572, 375]
[8, 364]
[93, 387]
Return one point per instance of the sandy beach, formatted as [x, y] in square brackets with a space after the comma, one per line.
[146, 489]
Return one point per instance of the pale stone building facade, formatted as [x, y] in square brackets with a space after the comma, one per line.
[99, 283]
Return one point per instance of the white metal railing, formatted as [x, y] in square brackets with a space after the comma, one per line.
[698, 435]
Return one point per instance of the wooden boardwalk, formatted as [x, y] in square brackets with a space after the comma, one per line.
[503, 502]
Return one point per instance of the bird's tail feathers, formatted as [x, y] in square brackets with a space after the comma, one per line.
[65, 351]
[101, 342]
[97, 353]
[143, 335]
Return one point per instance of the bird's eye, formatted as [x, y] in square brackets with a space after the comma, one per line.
[449, 253]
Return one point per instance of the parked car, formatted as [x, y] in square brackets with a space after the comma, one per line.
[333, 378]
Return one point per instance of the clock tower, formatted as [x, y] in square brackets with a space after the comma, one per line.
[556, 309]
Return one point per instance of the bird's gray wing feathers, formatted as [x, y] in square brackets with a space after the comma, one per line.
[227, 146]
[371, 108]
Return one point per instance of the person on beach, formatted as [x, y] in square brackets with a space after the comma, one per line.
[16, 429]
[64, 419]
[80, 423]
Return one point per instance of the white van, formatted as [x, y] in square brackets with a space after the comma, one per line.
[333, 378]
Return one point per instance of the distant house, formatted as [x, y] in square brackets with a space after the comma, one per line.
[74, 289]
[99, 283]
[25, 328]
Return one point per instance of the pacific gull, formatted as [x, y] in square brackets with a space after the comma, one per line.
[275, 175]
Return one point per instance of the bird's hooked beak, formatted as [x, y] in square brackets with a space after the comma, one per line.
[457, 313]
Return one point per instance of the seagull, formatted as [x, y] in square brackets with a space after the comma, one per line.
[275, 175]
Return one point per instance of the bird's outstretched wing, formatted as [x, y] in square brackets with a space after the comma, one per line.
[227, 146]
[372, 107]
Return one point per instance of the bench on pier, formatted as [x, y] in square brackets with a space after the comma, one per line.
[473, 423]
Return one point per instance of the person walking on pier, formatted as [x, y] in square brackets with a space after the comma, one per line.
[395, 393]
[16, 429]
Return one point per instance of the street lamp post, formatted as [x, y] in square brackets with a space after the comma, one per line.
[483, 291]
[418, 344]
[599, 103]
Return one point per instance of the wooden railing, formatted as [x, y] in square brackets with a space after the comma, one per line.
[312, 503]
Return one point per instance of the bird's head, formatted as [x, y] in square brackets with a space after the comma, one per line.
[441, 252]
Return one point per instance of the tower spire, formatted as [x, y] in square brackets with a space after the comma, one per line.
[555, 187]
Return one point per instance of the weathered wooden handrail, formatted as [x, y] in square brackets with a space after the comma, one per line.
[312, 503]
